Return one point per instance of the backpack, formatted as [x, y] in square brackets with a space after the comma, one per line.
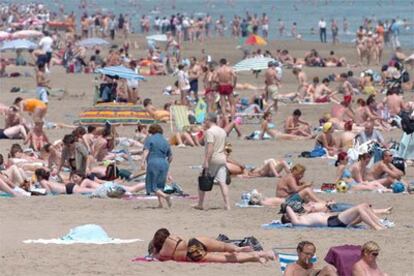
[407, 124]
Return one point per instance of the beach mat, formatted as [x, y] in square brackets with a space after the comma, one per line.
[151, 197]
[277, 224]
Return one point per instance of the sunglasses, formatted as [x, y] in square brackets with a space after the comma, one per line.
[375, 254]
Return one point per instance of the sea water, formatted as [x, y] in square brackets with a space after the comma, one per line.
[306, 13]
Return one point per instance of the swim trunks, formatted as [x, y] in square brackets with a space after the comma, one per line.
[334, 221]
[225, 89]
[2, 135]
[294, 197]
[323, 99]
[69, 188]
[272, 91]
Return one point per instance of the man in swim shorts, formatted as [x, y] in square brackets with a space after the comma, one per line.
[272, 86]
[227, 80]
[304, 266]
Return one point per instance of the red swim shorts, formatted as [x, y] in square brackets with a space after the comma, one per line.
[225, 89]
[323, 99]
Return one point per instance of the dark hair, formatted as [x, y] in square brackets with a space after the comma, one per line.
[68, 139]
[91, 129]
[341, 156]
[370, 99]
[297, 112]
[46, 148]
[42, 174]
[180, 66]
[302, 245]
[361, 102]
[146, 102]
[155, 128]
[223, 61]
[315, 80]
[350, 73]
[140, 127]
[325, 80]
[79, 132]
[15, 148]
[1, 159]
[267, 114]
[344, 75]
[159, 238]
[18, 100]
[285, 219]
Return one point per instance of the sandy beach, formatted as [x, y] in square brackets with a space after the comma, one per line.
[53, 216]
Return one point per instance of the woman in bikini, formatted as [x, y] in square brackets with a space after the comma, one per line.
[270, 168]
[42, 177]
[267, 127]
[352, 176]
[165, 247]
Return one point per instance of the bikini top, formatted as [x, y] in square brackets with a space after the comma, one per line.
[271, 125]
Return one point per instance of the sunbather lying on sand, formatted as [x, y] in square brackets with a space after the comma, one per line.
[165, 247]
[349, 217]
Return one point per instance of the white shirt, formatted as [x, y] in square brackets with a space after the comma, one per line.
[46, 44]
[322, 24]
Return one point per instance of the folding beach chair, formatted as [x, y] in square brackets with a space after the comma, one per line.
[287, 258]
[179, 117]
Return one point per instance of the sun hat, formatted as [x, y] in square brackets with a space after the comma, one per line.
[327, 127]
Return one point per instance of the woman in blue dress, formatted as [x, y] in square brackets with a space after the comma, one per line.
[157, 159]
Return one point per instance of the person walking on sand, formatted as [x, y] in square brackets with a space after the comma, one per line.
[227, 80]
[157, 158]
[322, 30]
[215, 159]
[42, 84]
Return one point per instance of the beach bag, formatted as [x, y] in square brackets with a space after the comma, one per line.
[205, 181]
[407, 124]
[399, 163]
[111, 172]
[228, 177]
[247, 241]
[317, 152]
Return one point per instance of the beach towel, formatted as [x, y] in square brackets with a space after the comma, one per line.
[242, 205]
[343, 258]
[286, 259]
[277, 224]
[406, 148]
[255, 135]
[84, 234]
[179, 114]
[200, 111]
[152, 197]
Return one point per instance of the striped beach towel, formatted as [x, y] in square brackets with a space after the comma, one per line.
[285, 259]
[179, 114]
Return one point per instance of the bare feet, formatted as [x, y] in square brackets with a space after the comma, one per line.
[197, 207]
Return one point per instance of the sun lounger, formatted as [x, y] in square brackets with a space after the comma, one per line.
[286, 259]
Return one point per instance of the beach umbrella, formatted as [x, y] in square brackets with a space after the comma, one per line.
[18, 44]
[115, 113]
[26, 34]
[4, 35]
[121, 72]
[255, 40]
[249, 64]
[93, 41]
[158, 37]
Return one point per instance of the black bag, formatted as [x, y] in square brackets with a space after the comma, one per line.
[407, 124]
[228, 177]
[247, 241]
[399, 163]
[205, 181]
